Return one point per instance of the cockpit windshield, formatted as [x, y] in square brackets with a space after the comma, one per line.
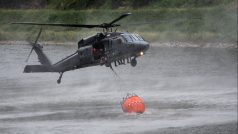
[138, 36]
[127, 37]
[132, 37]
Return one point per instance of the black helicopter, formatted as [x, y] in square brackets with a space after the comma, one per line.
[103, 48]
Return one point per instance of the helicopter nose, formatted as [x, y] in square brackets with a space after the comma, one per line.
[145, 46]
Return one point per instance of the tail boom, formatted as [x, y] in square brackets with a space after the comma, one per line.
[38, 69]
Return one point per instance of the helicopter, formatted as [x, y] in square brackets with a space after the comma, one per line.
[104, 48]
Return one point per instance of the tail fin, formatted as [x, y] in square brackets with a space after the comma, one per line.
[38, 49]
[43, 59]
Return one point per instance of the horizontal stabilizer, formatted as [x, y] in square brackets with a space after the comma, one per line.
[37, 68]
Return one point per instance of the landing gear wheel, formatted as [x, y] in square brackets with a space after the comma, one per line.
[59, 80]
[133, 62]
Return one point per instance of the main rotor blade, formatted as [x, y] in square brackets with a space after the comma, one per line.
[57, 24]
[119, 18]
[29, 54]
[38, 35]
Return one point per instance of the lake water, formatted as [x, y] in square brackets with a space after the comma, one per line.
[185, 90]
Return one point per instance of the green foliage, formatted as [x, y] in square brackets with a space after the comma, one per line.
[165, 24]
[71, 4]
[189, 3]
[107, 4]
[131, 4]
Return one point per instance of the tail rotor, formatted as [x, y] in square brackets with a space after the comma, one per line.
[34, 44]
[29, 54]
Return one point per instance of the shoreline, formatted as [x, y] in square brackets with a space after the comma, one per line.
[169, 44]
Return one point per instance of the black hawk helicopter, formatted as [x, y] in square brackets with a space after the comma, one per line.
[103, 48]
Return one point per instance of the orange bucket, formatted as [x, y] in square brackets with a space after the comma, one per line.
[132, 104]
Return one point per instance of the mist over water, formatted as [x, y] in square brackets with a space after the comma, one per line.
[185, 90]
